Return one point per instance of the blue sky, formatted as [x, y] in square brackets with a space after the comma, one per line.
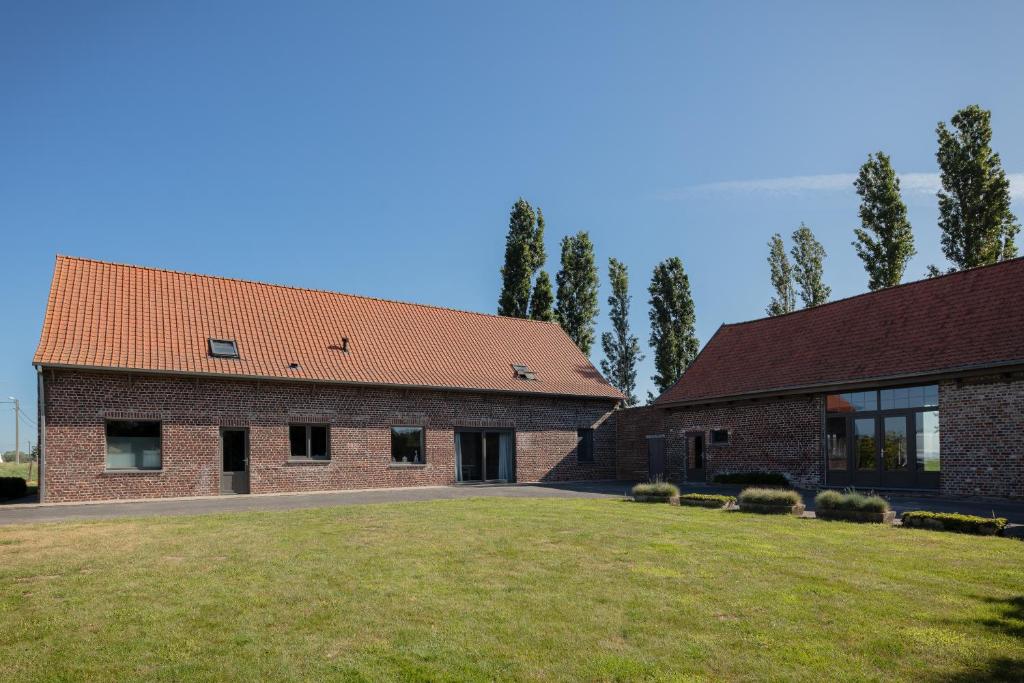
[376, 148]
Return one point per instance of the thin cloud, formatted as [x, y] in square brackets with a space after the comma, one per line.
[910, 183]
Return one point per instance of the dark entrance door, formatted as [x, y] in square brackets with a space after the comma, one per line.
[656, 457]
[234, 446]
[695, 458]
[484, 455]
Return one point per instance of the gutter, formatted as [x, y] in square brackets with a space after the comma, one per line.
[868, 383]
[41, 437]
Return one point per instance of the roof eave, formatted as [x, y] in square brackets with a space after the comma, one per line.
[886, 380]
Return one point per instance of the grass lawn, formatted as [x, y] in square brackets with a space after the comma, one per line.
[506, 589]
[13, 469]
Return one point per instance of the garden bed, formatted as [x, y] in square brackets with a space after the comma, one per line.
[771, 501]
[952, 521]
[706, 500]
[655, 492]
[853, 507]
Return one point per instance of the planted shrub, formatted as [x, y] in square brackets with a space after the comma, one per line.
[13, 487]
[774, 497]
[952, 521]
[753, 478]
[662, 490]
[706, 500]
[850, 501]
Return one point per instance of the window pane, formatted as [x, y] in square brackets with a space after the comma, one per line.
[297, 436]
[720, 436]
[835, 443]
[927, 429]
[864, 443]
[133, 445]
[894, 448]
[856, 401]
[931, 396]
[838, 403]
[407, 444]
[318, 442]
[223, 347]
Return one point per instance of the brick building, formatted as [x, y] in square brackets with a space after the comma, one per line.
[919, 386]
[155, 383]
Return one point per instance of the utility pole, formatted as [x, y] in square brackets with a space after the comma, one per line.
[17, 441]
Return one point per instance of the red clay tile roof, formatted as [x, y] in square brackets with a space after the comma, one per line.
[105, 315]
[969, 319]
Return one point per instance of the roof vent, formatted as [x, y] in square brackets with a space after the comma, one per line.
[294, 366]
[223, 348]
[523, 372]
[343, 346]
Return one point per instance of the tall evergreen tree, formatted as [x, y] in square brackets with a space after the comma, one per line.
[524, 256]
[885, 241]
[808, 257]
[978, 227]
[576, 297]
[784, 300]
[542, 300]
[673, 322]
[621, 348]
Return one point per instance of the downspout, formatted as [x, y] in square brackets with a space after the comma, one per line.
[41, 438]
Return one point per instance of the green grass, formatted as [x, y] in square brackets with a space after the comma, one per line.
[13, 469]
[504, 588]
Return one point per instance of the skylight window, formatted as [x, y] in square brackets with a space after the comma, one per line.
[523, 372]
[223, 348]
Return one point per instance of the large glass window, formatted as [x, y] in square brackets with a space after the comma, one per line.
[894, 443]
[309, 441]
[927, 429]
[133, 445]
[407, 445]
[852, 402]
[864, 443]
[835, 443]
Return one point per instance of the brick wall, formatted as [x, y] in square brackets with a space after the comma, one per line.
[777, 435]
[633, 426]
[981, 437]
[192, 411]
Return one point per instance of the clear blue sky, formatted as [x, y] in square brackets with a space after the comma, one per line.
[376, 148]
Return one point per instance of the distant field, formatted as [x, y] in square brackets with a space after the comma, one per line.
[506, 589]
[13, 469]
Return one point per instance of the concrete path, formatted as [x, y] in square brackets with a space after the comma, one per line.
[15, 514]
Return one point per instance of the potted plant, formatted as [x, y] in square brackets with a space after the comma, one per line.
[851, 506]
[771, 501]
[656, 492]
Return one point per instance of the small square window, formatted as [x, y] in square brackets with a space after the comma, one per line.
[223, 348]
[523, 371]
[133, 445]
[719, 436]
[407, 445]
[585, 444]
[309, 442]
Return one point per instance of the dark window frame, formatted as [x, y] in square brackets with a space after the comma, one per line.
[106, 447]
[423, 444]
[309, 426]
[715, 441]
[585, 444]
[212, 341]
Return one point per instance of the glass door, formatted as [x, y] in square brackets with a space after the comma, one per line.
[484, 456]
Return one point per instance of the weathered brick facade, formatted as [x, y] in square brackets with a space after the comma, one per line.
[192, 411]
[982, 436]
[777, 435]
[633, 426]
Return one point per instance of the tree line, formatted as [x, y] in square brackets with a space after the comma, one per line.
[526, 293]
[978, 227]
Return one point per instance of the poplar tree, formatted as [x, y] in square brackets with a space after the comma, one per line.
[621, 348]
[808, 259]
[885, 241]
[784, 300]
[673, 322]
[977, 225]
[524, 256]
[542, 300]
[576, 296]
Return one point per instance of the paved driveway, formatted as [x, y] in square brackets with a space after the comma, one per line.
[13, 514]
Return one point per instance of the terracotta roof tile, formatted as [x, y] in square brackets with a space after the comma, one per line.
[106, 315]
[973, 318]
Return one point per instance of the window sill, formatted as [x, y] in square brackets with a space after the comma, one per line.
[407, 465]
[134, 471]
[306, 461]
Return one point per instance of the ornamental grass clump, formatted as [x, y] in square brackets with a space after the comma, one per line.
[706, 500]
[850, 501]
[655, 490]
[772, 497]
[952, 521]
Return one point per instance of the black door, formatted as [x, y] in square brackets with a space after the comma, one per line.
[656, 458]
[234, 476]
[695, 458]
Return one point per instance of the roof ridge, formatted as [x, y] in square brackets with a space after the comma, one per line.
[902, 285]
[298, 288]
